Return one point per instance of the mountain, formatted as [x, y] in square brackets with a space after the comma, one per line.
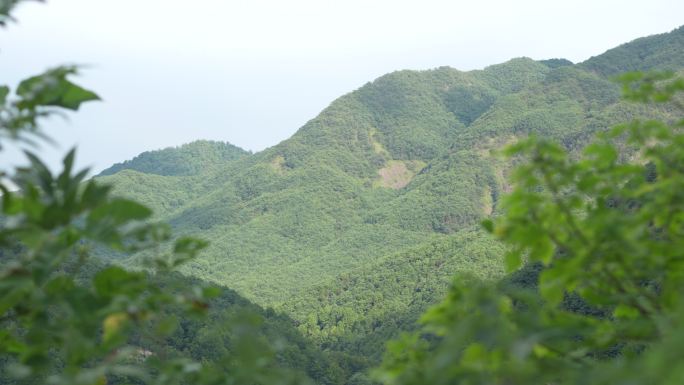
[374, 173]
[358, 221]
[188, 159]
[653, 53]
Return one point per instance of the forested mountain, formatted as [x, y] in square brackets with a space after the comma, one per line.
[658, 52]
[357, 223]
[188, 159]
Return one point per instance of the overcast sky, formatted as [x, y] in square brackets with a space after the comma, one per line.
[252, 72]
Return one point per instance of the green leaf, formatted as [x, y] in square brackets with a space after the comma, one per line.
[6, 7]
[94, 194]
[167, 325]
[513, 261]
[74, 96]
[53, 89]
[4, 91]
[188, 245]
[112, 325]
[10, 204]
[605, 154]
[551, 287]
[488, 225]
[41, 172]
[59, 284]
[540, 351]
[474, 356]
[626, 312]
[120, 211]
[542, 250]
[113, 280]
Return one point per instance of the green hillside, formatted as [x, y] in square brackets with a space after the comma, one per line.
[658, 52]
[372, 174]
[358, 311]
[357, 222]
[231, 322]
[188, 159]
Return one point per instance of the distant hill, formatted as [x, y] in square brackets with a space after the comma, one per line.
[188, 159]
[358, 221]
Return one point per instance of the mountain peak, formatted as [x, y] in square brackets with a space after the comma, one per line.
[187, 159]
[662, 52]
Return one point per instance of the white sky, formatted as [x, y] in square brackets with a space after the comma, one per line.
[253, 72]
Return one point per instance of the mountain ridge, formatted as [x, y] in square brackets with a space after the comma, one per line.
[660, 52]
[405, 161]
[184, 160]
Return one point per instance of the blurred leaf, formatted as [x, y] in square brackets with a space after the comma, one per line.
[4, 91]
[488, 225]
[54, 89]
[114, 280]
[119, 211]
[512, 261]
[113, 324]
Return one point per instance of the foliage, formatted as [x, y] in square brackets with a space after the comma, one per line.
[607, 228]
[6, 6]
[53, 327]
[38, 97]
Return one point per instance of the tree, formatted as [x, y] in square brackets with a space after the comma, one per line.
[607, 230]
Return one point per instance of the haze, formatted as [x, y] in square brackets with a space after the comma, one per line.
[253, 72]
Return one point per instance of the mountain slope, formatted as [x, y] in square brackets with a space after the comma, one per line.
[358, 311]
[343, 190]
[188, 159]
[230, 324]
[658, 52]
[384, 183]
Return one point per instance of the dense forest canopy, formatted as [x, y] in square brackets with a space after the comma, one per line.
[206, 263]
[401, 166]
